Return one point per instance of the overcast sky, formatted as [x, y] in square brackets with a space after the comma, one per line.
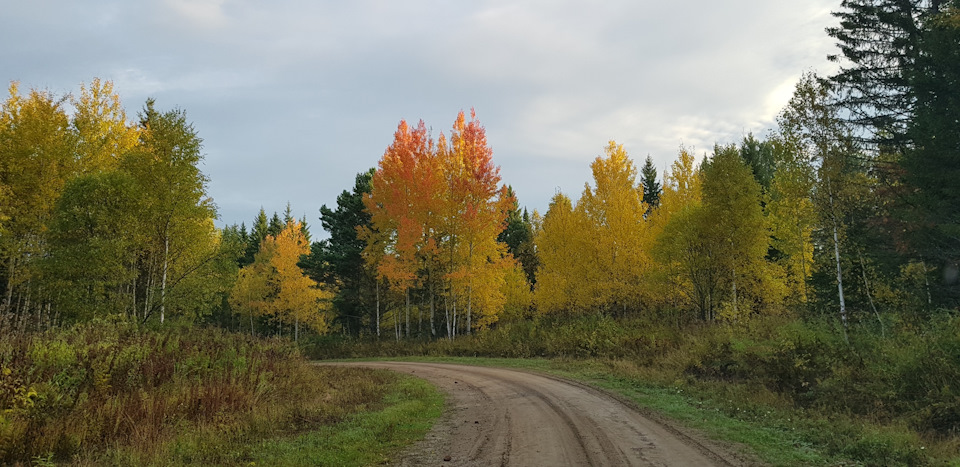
[293, 97]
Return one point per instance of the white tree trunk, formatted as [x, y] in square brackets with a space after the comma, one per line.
[378, 307]
[166, 263]
[836, 253]
[470, 289]
[433, 330]
[866, 286]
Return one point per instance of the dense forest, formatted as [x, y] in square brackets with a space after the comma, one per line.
[847, 212]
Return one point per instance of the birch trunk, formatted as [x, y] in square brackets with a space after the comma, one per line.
[8, 298]
[378, 307]
[836, 254]
[433, 329]
[866, 286]
[843, 304]
[166, 263]
[470, 289]
[446, 316]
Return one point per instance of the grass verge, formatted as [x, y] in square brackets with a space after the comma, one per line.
[372, 435]
[367, 438]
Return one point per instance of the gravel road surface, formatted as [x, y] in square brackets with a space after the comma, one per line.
[505, 417]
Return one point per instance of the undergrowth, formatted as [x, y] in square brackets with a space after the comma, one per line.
[110, 392]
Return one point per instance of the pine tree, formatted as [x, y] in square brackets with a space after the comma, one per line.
[651, 187]
[338, 261]
[518, 237]
[275, 226]
[879, 42]
[258, 233]
[932, 165]
[759, 156]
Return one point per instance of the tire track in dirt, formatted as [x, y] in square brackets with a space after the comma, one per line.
[504, 417]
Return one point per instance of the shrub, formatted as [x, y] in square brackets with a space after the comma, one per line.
[76, 391]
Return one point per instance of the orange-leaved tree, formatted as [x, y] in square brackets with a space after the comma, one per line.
[436, 209]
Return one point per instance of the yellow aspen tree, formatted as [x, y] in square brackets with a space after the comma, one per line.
[791, 217]
[100, 122]
[681, 191]
[615, 210]
[563, 246]
[518, 298]
[299, 299]
[36, 159]
[274, 285]
[254, 287]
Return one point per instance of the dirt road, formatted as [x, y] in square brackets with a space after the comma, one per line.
[498, 416]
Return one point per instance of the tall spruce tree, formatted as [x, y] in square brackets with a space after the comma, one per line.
[879, 42]
[518, 236]
[759, 155]
[651, 187]
[338, 261]
[932, 165]
[258, 232]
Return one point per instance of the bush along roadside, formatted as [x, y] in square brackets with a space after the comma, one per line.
[111, 392]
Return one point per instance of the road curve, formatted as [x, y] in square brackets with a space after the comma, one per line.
[504, 417]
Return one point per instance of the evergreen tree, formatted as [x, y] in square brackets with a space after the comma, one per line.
[338, 261]
[759, 156]
[932, 165]
[651, 187]
[258, 232]
[879, 40]
[275, 226]
[518, 236]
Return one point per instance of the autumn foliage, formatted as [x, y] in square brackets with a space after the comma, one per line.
[437, 207]
[274, 287]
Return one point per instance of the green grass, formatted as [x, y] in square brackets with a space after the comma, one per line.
[367, 438]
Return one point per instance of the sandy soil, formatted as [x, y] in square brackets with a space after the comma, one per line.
[499, 416]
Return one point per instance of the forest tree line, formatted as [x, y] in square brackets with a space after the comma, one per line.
[849, 207]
